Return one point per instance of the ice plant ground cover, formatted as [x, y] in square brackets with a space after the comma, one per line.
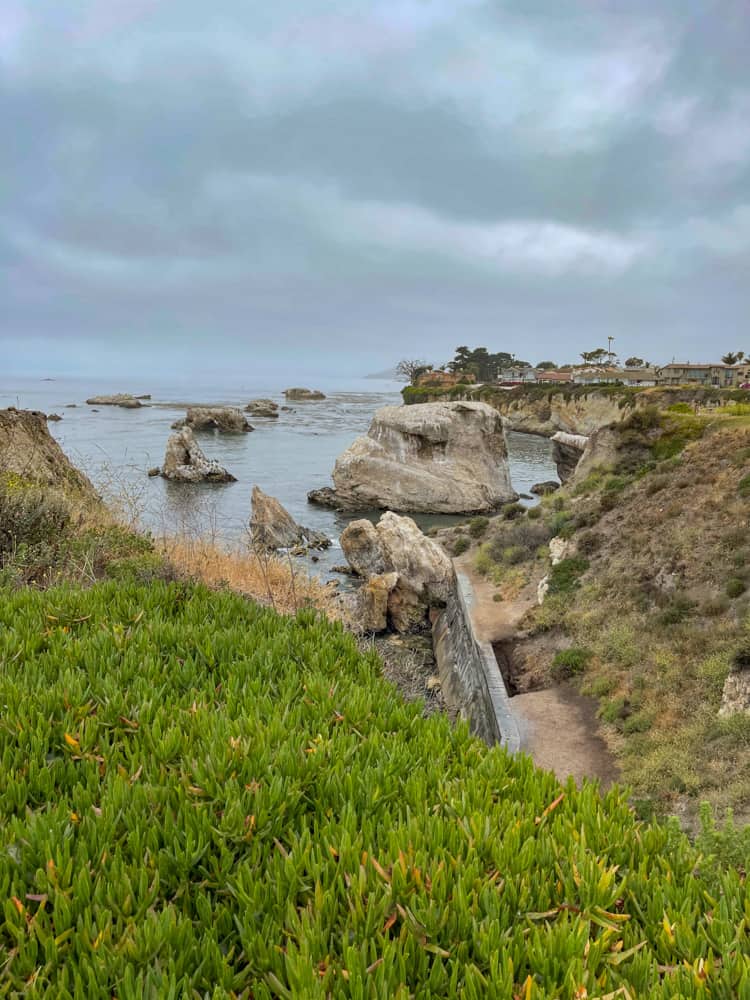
[199, 798]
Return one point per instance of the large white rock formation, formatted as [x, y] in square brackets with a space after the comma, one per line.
[431, 458]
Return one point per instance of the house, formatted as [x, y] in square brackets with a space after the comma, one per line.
[638, 376]
[719, 375]
[550, 378]
[439, 379]
[517, 375]
[596, 375]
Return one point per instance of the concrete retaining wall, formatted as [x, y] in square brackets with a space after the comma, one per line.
[469, 674]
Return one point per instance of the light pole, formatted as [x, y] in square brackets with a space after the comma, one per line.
[610, 341]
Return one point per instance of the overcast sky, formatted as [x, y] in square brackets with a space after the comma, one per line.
[223, 184]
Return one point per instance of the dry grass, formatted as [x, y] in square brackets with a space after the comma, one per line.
[271, 580]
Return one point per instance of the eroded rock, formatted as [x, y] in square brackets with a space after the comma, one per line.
[567, 451]
[262, 408]
[735, 698]
[273, 527]
[185, 462]
[431, 458]
[303, 394]
[419, 571]
[544, 489]
[123, 399]
[222, 418]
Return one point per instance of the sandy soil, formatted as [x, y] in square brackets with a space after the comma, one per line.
[560, 731]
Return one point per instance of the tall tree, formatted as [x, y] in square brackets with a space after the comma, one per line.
[546, 366]
[409, 369]
[733, 357]
[635, 363]
[595, 357]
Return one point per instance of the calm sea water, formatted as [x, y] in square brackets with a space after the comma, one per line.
[286, 457]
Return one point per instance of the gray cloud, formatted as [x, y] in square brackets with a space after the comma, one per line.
[358, 183]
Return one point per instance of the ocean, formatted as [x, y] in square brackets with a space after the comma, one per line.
[286, 457]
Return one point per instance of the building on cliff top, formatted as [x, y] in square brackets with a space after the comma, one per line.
[719, 375]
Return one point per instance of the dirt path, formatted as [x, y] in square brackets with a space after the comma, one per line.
[559, 729]
[494, 620]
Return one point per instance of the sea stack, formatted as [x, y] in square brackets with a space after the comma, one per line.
[441, 458]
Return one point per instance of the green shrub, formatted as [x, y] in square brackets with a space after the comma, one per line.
[678, 609]
[478, 526]
[483, 561]
[522, 537]
[201, 799]
[735, 587]
[510, 511]
[30, 516]
[560, 525]
[743, 487]
[460, 545]
[680, 408]
[568, 662]
[615, 484]
[563, 577]
[728, 844]
[534, 513]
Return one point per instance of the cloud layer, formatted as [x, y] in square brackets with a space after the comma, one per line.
[355, 182]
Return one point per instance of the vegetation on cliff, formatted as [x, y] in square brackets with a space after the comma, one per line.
[653, 590]
[205, 799]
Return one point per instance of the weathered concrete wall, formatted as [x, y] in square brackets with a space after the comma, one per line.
[469, 674]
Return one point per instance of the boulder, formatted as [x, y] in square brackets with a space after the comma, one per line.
[303, 394]
[545, 488]
[54, 417]
[184, 461]
[368, 607]
[273, 527]
[220, 418]
[361, 546]
[444, 458]
[419, 571]
[123, 399]
[262, 408]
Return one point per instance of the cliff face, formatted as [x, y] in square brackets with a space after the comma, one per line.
[573, 414]
[28, 450]
[434, 458]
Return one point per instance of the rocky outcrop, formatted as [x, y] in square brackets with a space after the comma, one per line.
[184, 461]
[418, 571]
[546, 488]
[123, 399]
[735, 698]
[567, 451]
[262, 408]
[432, 458]
[574, 412]
[303, 394]
[559, 549]
[28, 451]
[368, 606]
[273, 527]
[220, 418]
